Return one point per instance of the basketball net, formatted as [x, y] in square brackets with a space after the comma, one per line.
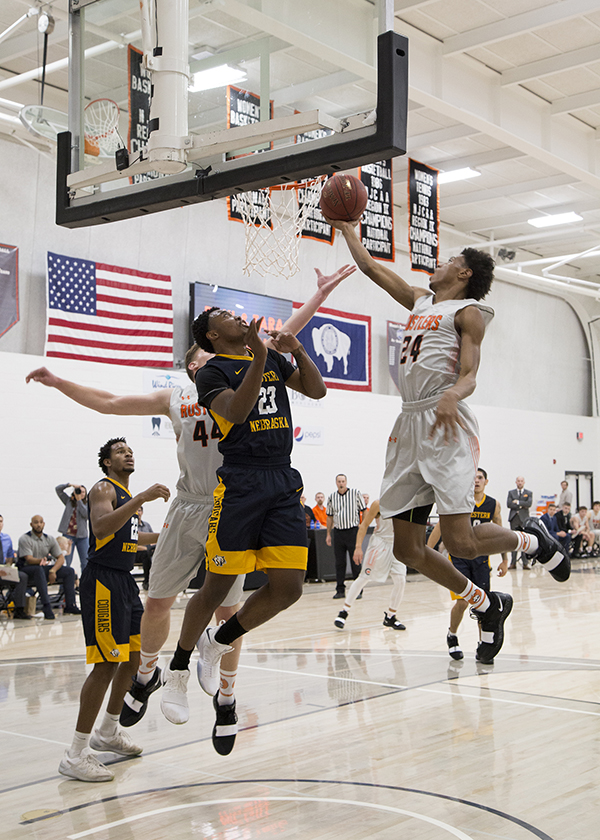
[274, 219]
[101, 127]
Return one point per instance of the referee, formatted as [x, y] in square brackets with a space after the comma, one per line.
[343, 517]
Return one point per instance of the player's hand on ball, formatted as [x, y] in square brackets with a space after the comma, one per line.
[340, 224]
[157, 491]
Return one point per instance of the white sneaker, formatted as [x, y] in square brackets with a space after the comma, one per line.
[209, 661]
[85, 767]
[174, 702]
[119, 743]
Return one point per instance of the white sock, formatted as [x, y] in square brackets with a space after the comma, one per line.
[109, 725]
[528, 543]
[81, 741]
[146, 667]
[475, 596]
[226, 696]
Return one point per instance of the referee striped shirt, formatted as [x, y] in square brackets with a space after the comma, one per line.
[345, 508]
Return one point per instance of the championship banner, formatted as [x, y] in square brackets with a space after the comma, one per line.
[140, 95]
[9, 287]
[315, 226]
[377, 222]
[395, 337]
[423, 216]
[339, 343]
[243, 108]
[275, 311]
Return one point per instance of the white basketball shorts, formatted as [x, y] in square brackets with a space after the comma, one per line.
[423, 471]
[379, 561]
[181, 549]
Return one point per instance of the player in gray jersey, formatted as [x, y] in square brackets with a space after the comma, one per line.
[180, 548]
[433, 449]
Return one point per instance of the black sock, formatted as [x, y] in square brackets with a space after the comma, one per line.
[230, 631]
[181, 659]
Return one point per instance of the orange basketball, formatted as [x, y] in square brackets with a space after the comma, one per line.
[343, 198]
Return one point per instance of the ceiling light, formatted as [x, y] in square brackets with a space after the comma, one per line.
[556, 219]
[457, 175]
[216, 77]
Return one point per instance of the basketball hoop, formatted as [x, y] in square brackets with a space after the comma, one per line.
[274, 219]
[101, 126]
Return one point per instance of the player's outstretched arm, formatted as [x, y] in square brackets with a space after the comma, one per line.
[368, 518]
[382, 276]
[325, 286]
[103, 402]
[235, 406]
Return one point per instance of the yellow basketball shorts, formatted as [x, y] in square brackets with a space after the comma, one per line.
[257, 521]
[111, 611]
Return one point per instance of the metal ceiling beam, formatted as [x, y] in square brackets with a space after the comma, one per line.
[517, 25]
[477, 159]
[521, 218]
[30, 42]
[517, 188]
[547, 66]
[439, 135]
[574, 103]
[409, 5]
[294, 93]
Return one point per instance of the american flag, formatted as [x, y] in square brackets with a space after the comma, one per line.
[105, 313]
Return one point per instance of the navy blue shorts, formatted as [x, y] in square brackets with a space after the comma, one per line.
[111, 611]
[257, 521]
[477, 570]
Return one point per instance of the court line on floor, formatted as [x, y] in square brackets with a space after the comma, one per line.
[368, 785]
[444, 693]
[456, 832]
[33, 737]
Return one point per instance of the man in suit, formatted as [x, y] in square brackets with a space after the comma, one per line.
[518, 502]
[560, 531]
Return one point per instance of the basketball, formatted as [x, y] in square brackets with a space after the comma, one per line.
[343, 198]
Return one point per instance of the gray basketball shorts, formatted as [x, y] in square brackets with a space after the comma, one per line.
[422, 471]
[181, 549]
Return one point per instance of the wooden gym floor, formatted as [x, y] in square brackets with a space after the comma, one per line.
[361, 733]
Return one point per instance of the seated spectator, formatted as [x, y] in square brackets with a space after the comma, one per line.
[17, 588]
[595, 520]
[42, 561]
[74, 521]
[145, 552]
[320, 511]
[308, 511]
[558, 524]
[580, 523]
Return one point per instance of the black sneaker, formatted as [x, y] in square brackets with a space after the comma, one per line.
[392, 621]
[225, 728]
[340, 621]
[135, 701]
[339, 595]
[491, 623]
[550, 553]
[454, 648]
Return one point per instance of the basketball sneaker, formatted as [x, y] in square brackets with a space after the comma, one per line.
[225, 728]
[119, 743]
[340, 621]
[85, 767]
[550, 554]
[392, 621]
[209, 660]
[491, 623]
[454, 648]
[135, 701]
[174, 702]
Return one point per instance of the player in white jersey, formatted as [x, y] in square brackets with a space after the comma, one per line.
[180, 548]
[433, 448]
[379, 564]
